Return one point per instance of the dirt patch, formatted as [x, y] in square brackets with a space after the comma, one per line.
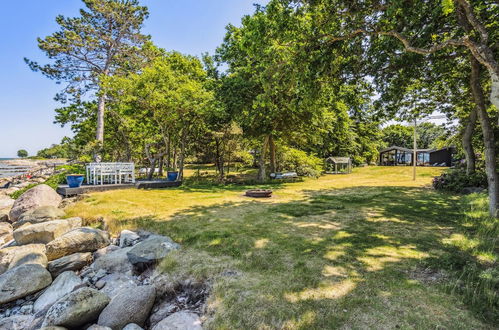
[427, 275]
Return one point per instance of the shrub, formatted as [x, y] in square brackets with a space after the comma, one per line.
[456, 180]
[299, 161]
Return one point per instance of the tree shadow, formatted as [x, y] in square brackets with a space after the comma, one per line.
[335, 250]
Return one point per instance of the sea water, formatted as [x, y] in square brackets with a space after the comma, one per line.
[7, 170]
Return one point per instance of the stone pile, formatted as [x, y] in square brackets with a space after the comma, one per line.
[56, 273]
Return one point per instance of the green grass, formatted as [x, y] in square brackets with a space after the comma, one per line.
[368, 250]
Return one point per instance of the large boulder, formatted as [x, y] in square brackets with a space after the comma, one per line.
[151, 250]
[16, 253]
[35, 257]
[77, 240]
[29, 221]
[180, 321]
[76, 308]
[62, 285]
[6, 233]
[75, 261]
[47, 212]
[45, 232]
[105, 250]
[130, 306]
[128, 238]
[116, 283]
[21, 281]
[6, 202]
[115, 262]
[41, 195]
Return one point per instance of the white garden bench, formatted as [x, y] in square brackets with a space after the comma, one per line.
[110, 173]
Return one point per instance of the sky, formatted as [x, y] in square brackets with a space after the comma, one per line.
[26, 97]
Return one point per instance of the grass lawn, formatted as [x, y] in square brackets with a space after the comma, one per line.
[372, 249]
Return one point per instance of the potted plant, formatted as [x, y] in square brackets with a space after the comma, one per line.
[74, 180]
[172, 175]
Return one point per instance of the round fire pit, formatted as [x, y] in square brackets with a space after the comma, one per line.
[259, 193]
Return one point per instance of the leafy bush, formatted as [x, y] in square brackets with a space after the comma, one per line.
[456, 180]
[299, 161]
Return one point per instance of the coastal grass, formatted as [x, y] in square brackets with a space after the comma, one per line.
[372, 249]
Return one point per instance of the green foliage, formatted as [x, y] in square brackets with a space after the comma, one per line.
[291, 159]
[54, 151]
[428, 135]
[22, 153]
[456, 180]
[104, 40]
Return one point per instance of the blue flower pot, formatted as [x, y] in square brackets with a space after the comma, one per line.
[172, 176]
[74, 181]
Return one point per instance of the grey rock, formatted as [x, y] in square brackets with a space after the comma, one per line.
[44, 232]
[20, 223]
[41, 195]
[151, 250]
[105, 250]
[62, 285]
[16, 322]
[132, 326]
[98, 327]
[130, 306]
[6, 233]
[8, 254]
[161, 311]
[6, 202]
[75, 261]
[84, 239]
[29, 258]
[128, 238]
[115, 283]
[22, 281]
[76, 308]
[4, 216]
[53, 328]
[180, 321]
[47, 212]
[26, 309]
[115, 262]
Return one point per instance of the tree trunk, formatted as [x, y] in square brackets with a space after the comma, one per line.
[469, 152]
[168, 153]
[272, 154]
[152, 161]
[182, 156]
[494, 91]
[99, 136]
[160, 165]
[261, 161]
[488, 138]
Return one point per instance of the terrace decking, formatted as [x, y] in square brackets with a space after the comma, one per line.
[143, 184]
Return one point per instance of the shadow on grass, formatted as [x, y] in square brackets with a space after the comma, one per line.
[334, 251]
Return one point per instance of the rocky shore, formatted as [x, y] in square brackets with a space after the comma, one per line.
[56, 273]
[33, 172]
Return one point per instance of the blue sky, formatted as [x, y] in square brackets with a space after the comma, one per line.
[26, 98]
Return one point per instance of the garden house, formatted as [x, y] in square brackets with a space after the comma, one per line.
[338, 165]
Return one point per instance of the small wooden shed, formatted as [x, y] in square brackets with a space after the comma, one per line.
[338, 165]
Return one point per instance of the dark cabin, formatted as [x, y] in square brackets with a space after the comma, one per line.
[398, 156]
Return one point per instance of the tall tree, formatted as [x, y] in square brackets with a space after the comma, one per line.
[103, 41]
[421, 28]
